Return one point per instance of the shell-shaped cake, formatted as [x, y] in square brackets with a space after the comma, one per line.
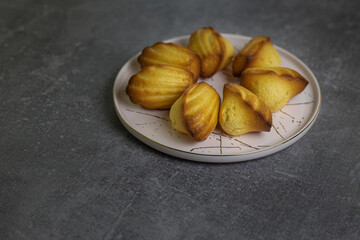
[171, 54]
[258, 52]
[196, 111]
[228, 52]
[158, 86]
[274, 85]
[242, 111]
[214, 50]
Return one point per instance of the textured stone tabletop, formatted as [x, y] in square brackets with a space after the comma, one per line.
[70, 170]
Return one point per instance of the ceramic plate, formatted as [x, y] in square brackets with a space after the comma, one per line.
[153, 127]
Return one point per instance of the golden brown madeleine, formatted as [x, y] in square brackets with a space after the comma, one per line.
[196, 111]
[242, 111]
[205, 42]
[228, 52]
[258, 52]
[274, 85]
[171, 54]
[158, 86]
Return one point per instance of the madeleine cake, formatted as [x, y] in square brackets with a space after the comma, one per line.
[158, 86]
[171, 54]
[242, 111]
[274, 85]
[215, 51]
[196, 111]
[258, 52]
[228, 52]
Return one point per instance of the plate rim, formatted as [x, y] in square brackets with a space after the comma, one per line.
[225, 158]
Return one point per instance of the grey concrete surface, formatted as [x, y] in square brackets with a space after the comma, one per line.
[70, 170]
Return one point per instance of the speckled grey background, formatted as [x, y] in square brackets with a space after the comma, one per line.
[70, 170]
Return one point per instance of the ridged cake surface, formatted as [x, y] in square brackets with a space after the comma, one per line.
[171, 54]
[215, 51]
[196, 111]
[158, 86]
